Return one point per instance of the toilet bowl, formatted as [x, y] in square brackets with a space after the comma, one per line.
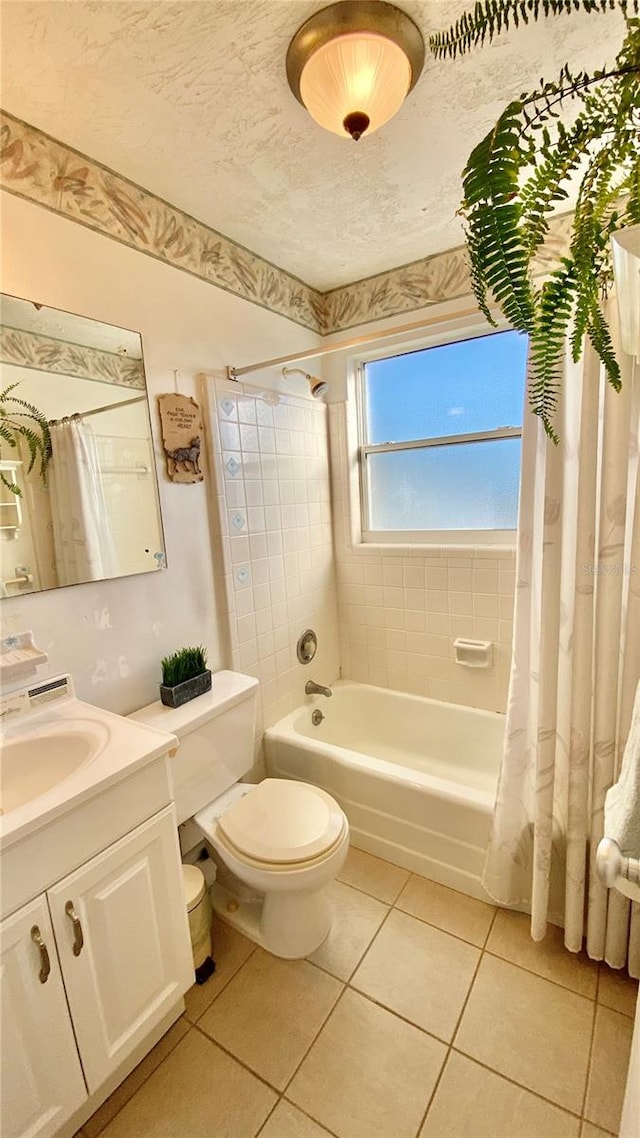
[279, 843]
[286, 841]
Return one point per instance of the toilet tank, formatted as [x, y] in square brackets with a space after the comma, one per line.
[216, 733]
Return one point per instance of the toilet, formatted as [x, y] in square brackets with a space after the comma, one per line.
[278, 844]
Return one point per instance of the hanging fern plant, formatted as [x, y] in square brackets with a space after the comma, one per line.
[19, 419]
[516, 176]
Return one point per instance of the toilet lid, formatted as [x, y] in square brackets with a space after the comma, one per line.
[283, 821]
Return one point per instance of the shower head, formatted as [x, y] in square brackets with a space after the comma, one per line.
[317, 387]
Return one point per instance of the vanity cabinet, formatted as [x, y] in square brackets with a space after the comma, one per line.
[118, 929]
[42, 1083]
[120, 945]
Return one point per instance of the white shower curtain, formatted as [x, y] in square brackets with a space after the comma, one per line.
[81, 533]
[576, 663]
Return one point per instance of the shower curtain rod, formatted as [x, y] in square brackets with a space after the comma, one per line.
[114, 406]
[108, 407]
[315, 353]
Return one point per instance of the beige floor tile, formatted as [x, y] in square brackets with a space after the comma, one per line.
[289, 1122]
[617, 990]
[230, 950]
[357, 919]
[103, 1115]
[198, 1092]
[591, 1131]
[447, 909]
[270, 1012]
[373, 875]
[369, 1074]
[608, 1073]
[530, 1030]
[510, 938]
[420, 972]
[471, 1102]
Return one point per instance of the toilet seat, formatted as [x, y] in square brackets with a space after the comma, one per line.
[282, 823]
[285, 867]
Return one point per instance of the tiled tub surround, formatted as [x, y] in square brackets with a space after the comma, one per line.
[272, 473]
[416, 777]
[400, 608]
[425, 1015]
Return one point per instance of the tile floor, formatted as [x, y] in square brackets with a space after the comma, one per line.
[425, 1015]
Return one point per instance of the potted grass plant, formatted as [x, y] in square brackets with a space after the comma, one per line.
[184, 676]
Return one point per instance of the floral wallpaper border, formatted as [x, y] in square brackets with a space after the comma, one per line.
[30, 349]
[39, 168]
[45, 171]
[443, 276]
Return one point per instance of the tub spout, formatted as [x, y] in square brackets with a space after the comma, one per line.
[312, 688]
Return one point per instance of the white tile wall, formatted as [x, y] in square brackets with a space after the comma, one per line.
[401, 608]
[272, 473]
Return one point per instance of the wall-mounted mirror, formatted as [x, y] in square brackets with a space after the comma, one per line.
[95, 514]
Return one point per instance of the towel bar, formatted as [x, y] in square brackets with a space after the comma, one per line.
[612, 866]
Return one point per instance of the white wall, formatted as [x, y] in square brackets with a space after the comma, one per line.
[111, 635]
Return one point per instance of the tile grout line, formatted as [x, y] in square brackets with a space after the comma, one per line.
[313, 1041]
[216, 1043]
[450, 1046]
[194, 1022]
[191, 1026]
[310, 1117]
[347, 984]
[520, 1086]
[455, 1031]
[590, 1055]
[269, 1115]
[497, 956]
[142, 1084]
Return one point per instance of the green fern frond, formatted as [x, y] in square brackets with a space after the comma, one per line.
[555, 308]
[516, 177]
[491, 17]
[12, 486]
[16, 417]
[492, 214]
[600, 337]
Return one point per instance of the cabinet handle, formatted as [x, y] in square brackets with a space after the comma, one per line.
[78, 938]
[45, 963]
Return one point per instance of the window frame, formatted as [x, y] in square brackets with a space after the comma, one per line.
[368, 536]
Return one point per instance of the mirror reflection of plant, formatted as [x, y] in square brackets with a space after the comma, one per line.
[21, 420]
[518, 173]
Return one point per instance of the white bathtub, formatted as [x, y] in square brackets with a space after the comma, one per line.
[416, 778]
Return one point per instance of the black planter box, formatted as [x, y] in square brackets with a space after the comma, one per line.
[182, 693]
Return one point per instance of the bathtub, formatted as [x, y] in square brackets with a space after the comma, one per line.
[416, 778]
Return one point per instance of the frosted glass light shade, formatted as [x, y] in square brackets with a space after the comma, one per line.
[361, 73]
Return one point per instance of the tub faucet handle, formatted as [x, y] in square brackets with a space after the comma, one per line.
[312, 688]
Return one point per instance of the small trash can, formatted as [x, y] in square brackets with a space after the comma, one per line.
[197, 901]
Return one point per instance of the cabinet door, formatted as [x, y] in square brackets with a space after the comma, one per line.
[42, 1083]
[123, 939]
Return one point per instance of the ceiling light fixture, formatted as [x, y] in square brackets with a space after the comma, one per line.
[353, 64]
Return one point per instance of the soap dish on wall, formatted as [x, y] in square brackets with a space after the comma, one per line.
[473, 653]
[19, 656]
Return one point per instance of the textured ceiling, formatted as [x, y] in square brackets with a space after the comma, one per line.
[190, 100]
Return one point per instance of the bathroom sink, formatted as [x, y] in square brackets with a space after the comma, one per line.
[32, 764]
[57, 753]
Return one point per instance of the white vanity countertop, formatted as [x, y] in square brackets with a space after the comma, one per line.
[120, 747]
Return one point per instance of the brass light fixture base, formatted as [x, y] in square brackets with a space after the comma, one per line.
[354, 16]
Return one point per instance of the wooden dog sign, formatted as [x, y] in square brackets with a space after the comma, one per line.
[182, 437]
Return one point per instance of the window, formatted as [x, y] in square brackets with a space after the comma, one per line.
[440, 440]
